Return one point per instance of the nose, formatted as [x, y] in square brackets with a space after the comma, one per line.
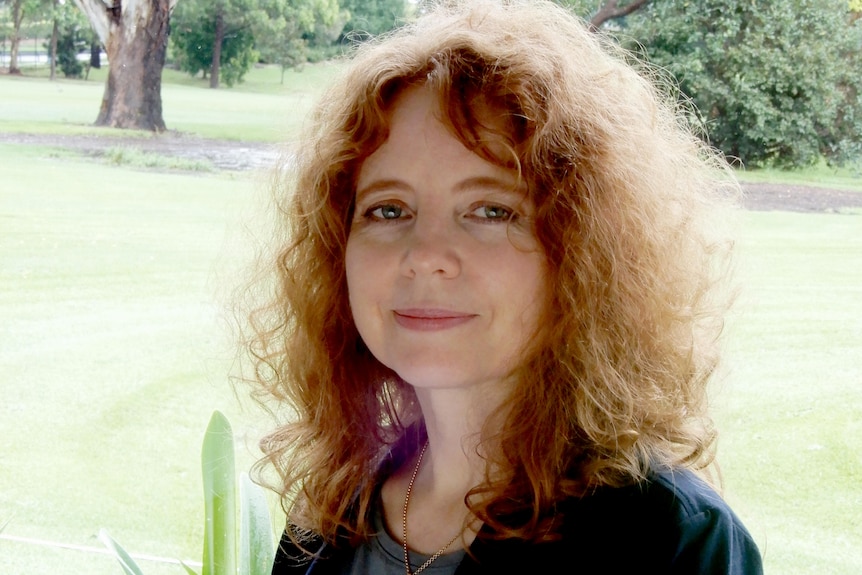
[431, 250]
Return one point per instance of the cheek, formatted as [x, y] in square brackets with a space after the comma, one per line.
[362, 285]
[367, 260]
[533, 287]
[353, 274]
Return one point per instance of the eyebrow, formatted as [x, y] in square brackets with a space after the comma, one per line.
[476, 182]
[490, 182]
[386, 184]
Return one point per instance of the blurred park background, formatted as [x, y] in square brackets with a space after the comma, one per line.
[120, 248]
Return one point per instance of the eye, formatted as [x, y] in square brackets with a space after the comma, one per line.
[494, 213]
[385, 212]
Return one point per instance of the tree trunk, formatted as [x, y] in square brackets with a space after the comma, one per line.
[55, 32]
[136, 48]
[611, 10]
[219, 39]
[17, 17]
[95, 55]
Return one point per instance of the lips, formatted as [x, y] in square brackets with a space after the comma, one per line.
[430, 319]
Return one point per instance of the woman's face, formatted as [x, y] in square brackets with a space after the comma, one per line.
[445, 275]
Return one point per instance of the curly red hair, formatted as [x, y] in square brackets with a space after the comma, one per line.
[626, 198]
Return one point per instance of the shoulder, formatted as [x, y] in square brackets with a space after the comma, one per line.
[708, 536]
[672, 523]
[314, 556]
[669, 498]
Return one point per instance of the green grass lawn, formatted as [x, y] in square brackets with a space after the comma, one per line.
[791, 409]
[844, 178]
[261, 109]
[114, 352]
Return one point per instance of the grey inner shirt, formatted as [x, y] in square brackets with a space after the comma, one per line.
[382, 555]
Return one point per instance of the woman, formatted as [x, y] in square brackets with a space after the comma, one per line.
[497, 312]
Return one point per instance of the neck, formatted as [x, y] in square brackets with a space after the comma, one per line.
[454, 423]
[450, 468]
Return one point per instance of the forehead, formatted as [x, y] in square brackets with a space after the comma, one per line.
[420, 139]
[414, 106]
[485, 127]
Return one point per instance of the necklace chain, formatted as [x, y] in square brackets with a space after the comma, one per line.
[404, 522]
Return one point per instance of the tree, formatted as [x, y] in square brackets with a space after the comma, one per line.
[611, 10]
[602, 12]
[775, 83]
[327, 27]
[299, 30]
[226, 37]
[135, 36]
[217, 36]
[55, 33]
[372, 17]
[38, 13]
[69, 37]
[17, 7]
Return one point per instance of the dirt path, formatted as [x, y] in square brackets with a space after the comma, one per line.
[792, 198]
[220, 154]
[232, 155]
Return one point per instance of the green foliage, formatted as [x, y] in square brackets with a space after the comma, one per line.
[217, 458]
[583, 8]
[775, 83]
[283, 32]
[74, 36]
[130, 156]
[588, 9]
[129, 566]
[193, 34]
[222, 554]
[255, 544]
[298, 31]
[28, 19]
[372, 17]
[69, 43]
[327, 30]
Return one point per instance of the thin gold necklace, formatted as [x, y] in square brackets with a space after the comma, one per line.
[404, 523]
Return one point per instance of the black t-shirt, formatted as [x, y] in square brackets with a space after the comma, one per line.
[671, 524]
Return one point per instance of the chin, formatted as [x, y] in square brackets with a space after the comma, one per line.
[436, 378]
[432, 377]
[430, 381]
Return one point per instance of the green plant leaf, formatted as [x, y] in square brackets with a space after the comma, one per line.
[217, 463]
[256, 551]
[126, 562]
[188, 569]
